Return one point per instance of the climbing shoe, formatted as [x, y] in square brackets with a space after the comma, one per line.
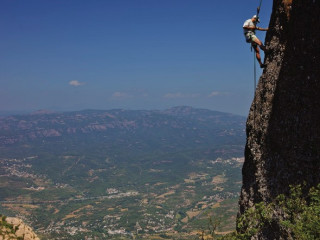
[263, 65]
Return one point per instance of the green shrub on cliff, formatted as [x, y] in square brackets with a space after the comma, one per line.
[300, 216]
[5, 227]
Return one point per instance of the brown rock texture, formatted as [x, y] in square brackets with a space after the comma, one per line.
[283, 126]
[21, 230]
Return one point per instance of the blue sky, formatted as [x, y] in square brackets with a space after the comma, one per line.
[133, 54]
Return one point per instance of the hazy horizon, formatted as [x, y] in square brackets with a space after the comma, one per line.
[25, 112]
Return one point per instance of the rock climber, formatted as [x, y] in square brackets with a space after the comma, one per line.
[249, 30]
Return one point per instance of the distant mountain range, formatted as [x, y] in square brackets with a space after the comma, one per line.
[178, 125]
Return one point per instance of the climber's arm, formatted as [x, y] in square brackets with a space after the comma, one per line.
[262, 29]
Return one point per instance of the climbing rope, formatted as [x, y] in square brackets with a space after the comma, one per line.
[255, 87]
[258, 9]
[255, 74]
[255, 71]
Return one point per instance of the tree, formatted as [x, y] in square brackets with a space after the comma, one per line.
[300, 216]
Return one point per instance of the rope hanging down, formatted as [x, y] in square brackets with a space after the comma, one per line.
[255, 87]
[258, 9]
[255, 70]
[255, 74]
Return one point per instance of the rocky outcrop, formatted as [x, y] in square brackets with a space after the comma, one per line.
[283, 130]
[14, 228]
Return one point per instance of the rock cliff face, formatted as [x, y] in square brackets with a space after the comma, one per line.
[283, 127]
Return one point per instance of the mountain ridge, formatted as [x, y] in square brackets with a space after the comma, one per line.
[20, 128]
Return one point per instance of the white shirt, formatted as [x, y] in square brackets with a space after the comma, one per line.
[248, 23]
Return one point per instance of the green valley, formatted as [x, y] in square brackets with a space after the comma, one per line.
[122, 174]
